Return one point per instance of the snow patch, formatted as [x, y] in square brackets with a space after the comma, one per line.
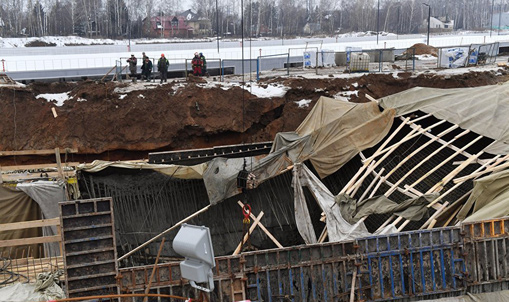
[122, 96]
[133, 87]
[60, 98]
[272, 90]
[395, 75]
[346, 95]
[355, 84]
[426, 57]
[319, 90]
[303, 103]
[81, 100]
[141, 96]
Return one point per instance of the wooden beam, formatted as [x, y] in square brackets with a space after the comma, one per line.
[246, 236]
[264, 229]
[29, 224]
[36, 152]
[59, 163]
[29, 241]
[35, 167]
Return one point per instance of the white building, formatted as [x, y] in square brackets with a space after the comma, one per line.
[439, 23]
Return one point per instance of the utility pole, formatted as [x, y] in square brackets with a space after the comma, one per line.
[377, 22]
[429, 20]
[491, 23]
[217, 26]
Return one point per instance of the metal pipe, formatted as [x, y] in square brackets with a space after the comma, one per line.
[123, 296]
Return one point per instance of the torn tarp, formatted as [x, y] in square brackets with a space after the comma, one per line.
[489, 198]
[411, 209]
[483, 110]
[334, 132]
[47, 194]
[338, 228]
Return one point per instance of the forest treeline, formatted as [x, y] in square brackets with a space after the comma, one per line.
[122, 18]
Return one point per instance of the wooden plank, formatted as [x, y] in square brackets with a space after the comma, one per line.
[36, 152]
[35, 167]
[59, 163]
[29, 241]
[29, 224]
[246, 236]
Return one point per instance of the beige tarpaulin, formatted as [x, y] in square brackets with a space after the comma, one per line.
[412, 209]
[334, 132]
[16, 206]
[489, 199]
[484, 110]
[176, 171]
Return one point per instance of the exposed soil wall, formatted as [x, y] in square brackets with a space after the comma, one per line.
[180, 115]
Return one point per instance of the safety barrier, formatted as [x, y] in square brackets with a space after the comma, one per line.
[423, 264]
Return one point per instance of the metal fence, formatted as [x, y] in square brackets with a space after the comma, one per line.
[425, 264]
[470, 55]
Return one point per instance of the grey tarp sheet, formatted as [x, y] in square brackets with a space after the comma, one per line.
[334, 132]
[489, 198]
[338, 228]
[47, 194]
[220, 177]
[484, 110]
[411, 209]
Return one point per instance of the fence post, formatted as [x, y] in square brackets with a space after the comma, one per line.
[288, 64]
[413, 59]
[220, 77]
[316, 63]
[221, 70]
[3, 65]
[185, 68]
[380, 58]
[258, 68]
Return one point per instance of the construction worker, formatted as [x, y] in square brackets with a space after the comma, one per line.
[197, 64]
[162, 67]
[144, 56]
[204, 64]
[132, 67]
[146, 69]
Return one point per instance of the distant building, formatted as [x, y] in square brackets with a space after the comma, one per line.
[169, 27]
[311, 28]
[439, 24]
[201, 26]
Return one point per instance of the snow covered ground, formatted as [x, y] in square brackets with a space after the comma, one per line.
[19, 58]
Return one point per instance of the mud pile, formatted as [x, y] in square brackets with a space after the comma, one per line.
[423, 49]
[115, 121]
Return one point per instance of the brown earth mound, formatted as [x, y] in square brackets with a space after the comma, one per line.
[423, 49]
[112, 121]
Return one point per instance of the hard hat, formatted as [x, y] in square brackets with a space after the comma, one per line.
[195, 53]
[162, 55]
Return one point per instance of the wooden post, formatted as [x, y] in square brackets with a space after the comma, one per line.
[153, 270]
[59, 164]
[352, 290]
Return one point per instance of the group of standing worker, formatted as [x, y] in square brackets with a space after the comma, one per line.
[199, 67]
[199, 64]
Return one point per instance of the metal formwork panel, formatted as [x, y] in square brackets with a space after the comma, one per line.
[407, 264]
[228, 280]
[486, 244]
[320, 272]
[88, 241]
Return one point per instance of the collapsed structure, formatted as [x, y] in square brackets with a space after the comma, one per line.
[356, 175]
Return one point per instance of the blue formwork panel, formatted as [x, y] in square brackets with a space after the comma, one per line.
[486, 245]
[408, 264]
[321, 272]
